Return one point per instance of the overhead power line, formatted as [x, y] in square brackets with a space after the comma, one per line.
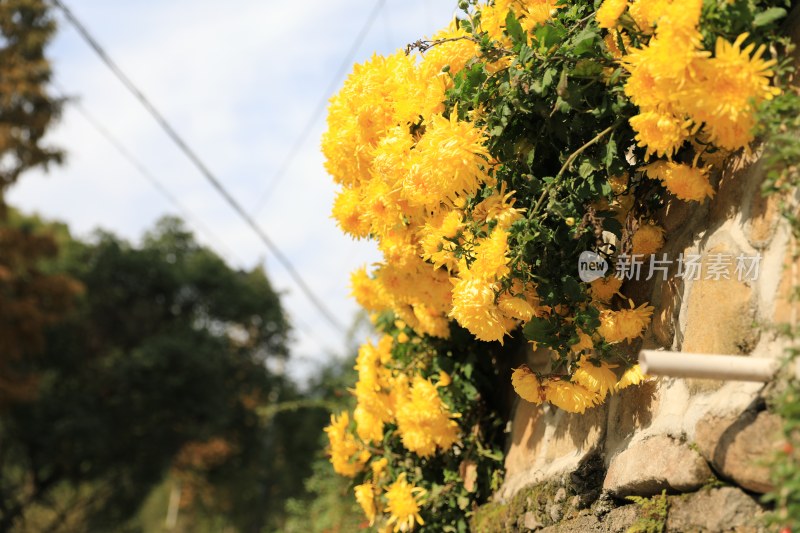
[198, 163]
[319, 110]
[146, 174]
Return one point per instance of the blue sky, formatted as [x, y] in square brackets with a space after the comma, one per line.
[239, 83]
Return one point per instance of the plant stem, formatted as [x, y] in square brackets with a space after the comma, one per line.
[567, 164]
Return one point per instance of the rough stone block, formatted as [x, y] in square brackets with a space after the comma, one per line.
[650, 466]
[548, 442]
[715, 510]
[719, 313]
[738, 447]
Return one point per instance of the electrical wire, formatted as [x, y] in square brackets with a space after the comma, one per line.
[319, 110]
[201, 166]
[145, 173]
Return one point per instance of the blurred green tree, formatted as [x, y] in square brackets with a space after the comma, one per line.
[162, 365]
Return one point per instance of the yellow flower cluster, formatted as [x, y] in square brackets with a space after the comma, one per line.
[386, 393]
[587, 383]
[686, 94]
[588, 387]
[648, 239]
[348, 456]
[423, 420]
[530, 13]
[402, 504]
[407, 172]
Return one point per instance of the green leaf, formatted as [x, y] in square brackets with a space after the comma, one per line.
[563, 83]
[572, 288]
[548, 35]
[540, 330]
[769, 16]
[588, 320]
[586, 169]
[584, 41]
[470, 391]
[611, 152]
[587, 68]
[514, 29]
[547, 78]
[615, 76]
[467, 369]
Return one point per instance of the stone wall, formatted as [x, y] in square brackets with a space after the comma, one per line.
[704, 442]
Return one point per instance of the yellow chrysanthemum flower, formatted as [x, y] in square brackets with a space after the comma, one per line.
[498, 207]
[660, 133]
[632, 376]
[403, 505]
[527, 385]
[609, 12]
[449, 161]
[625, 324]
[584, 344]
[537, 12]
[603, 289]
[348, 457]
[423, 420]
[454, 54]
[684, 181]
[370, 103]
[381, 207]
[613, 46]
[569, 396]
[435, 238]
[368, 426]
[348, 213]
[367, 291]
[648, 239]
[598, 379]
[731, 83]
[365, 496]
[373, 406]
[431, 322]
[475, 309]
[647, 12]
[515, 307]
[491, 256]
[378, 466]
[530, 13]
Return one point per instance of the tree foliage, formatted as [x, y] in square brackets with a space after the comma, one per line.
[161, 365]
[27, 110]
[30, 299]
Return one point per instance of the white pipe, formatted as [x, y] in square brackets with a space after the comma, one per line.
[707, 366]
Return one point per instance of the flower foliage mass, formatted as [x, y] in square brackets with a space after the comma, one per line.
[482, 162]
